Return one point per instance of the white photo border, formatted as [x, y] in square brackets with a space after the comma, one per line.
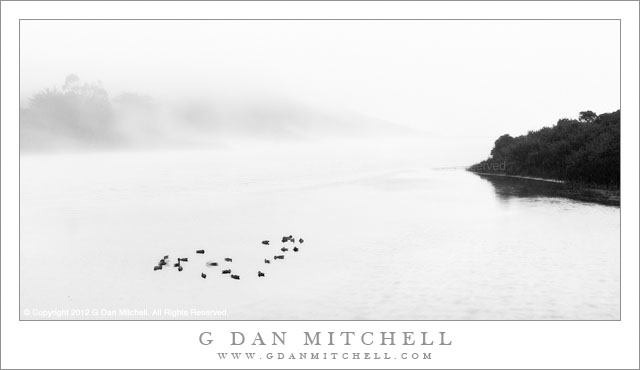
[477, 344]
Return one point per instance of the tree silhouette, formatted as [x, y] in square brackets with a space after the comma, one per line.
[587, 116]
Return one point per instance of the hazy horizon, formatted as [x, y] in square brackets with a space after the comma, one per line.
[474, 79]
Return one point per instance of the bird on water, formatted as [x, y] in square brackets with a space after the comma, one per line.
[165, 260]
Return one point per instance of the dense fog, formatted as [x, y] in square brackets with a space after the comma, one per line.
[83, 115]
[161, 84]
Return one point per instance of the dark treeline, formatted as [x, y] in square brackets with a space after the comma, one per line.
[586, 150]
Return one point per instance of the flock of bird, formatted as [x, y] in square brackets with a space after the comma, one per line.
[165, 262]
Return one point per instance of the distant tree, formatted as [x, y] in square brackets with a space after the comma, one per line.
[587, 116]
[501, 146]
[77, 112]
[71, 82]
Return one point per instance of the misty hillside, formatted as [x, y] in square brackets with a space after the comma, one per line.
[287, 119]
[82, 115]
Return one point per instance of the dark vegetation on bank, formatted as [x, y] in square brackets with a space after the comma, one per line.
[585, 152]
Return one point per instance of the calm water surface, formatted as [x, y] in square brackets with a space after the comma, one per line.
[387, 237]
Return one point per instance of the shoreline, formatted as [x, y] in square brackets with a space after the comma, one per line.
[521, 177]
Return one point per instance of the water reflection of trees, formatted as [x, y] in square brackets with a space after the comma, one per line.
[510, 187]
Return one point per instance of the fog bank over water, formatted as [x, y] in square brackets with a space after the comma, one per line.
[457, 79]
[83, 116]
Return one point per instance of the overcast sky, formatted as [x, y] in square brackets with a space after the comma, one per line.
[454, 78]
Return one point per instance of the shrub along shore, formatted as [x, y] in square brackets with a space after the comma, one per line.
[583, 152]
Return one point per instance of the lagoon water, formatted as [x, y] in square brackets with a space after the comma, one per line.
[387, 237]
